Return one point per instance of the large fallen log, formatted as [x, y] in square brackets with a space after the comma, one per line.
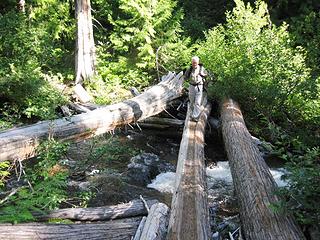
[131, 209]
[189, 219]
[253, 182]
[121, 229]
[164, 121]
[20, 143]
[155, 227]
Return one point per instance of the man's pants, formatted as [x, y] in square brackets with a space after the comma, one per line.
[195, 97]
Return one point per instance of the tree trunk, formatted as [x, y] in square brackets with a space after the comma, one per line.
[164, 121]
[132, 209]
[155, 227]
[81, 94]
[20, 143]
[137, 235]
[253, 182]
[189, 219]
[85, 49]
[122, 229]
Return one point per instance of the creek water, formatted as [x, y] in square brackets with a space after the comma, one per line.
[114, 186]
[167, 149]
[224, 215]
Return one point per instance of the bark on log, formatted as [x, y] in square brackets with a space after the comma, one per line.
[85, 49]
[82, 95]
[156, 224]
[160, 123]
[253, 182]
[66, 111]
[132, 209]
[189, 211]
[122, 229]
[143, 126]
[91, 106]
[138, 233]
[79, 108]
[20, 143]
[164, 121]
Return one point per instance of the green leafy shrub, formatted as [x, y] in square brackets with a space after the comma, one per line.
[301, 196]
[111, 152]
[32, 46]
[47, 186]
[4, 167]
[256, 64]
[137, 32]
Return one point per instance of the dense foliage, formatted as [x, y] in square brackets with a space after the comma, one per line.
[266, 57]
[143, 41]
[259, 65]
[44, 187]
[32, 58]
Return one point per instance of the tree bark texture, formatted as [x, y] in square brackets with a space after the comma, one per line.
[137, 235]
[155, 227]
[20, 143]
[189, 219]
[253, 182]
[131, 209]
[85, 49]
[81, 94]
[122, 229]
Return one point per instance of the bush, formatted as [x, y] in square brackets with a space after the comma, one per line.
[31, 49]
[47, 186]
[138, 33]
[302, 194]
[256, 64]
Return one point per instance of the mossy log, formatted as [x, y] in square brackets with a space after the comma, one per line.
[189, 218]
[253, 182]
[20, 143]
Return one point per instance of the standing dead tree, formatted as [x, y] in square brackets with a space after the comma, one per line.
[85, 49]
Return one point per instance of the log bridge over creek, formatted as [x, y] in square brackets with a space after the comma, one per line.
[188, 218]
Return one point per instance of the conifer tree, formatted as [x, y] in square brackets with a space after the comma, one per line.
[141, 27]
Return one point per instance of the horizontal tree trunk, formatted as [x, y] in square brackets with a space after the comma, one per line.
[122, 229]
[164, 121]
[78, 108]
[125, 210]
[155, 227]
[189, 219]
[253, 182]
[161, 123]
[20, 143]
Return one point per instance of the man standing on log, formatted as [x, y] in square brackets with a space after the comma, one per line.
[196, 75]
